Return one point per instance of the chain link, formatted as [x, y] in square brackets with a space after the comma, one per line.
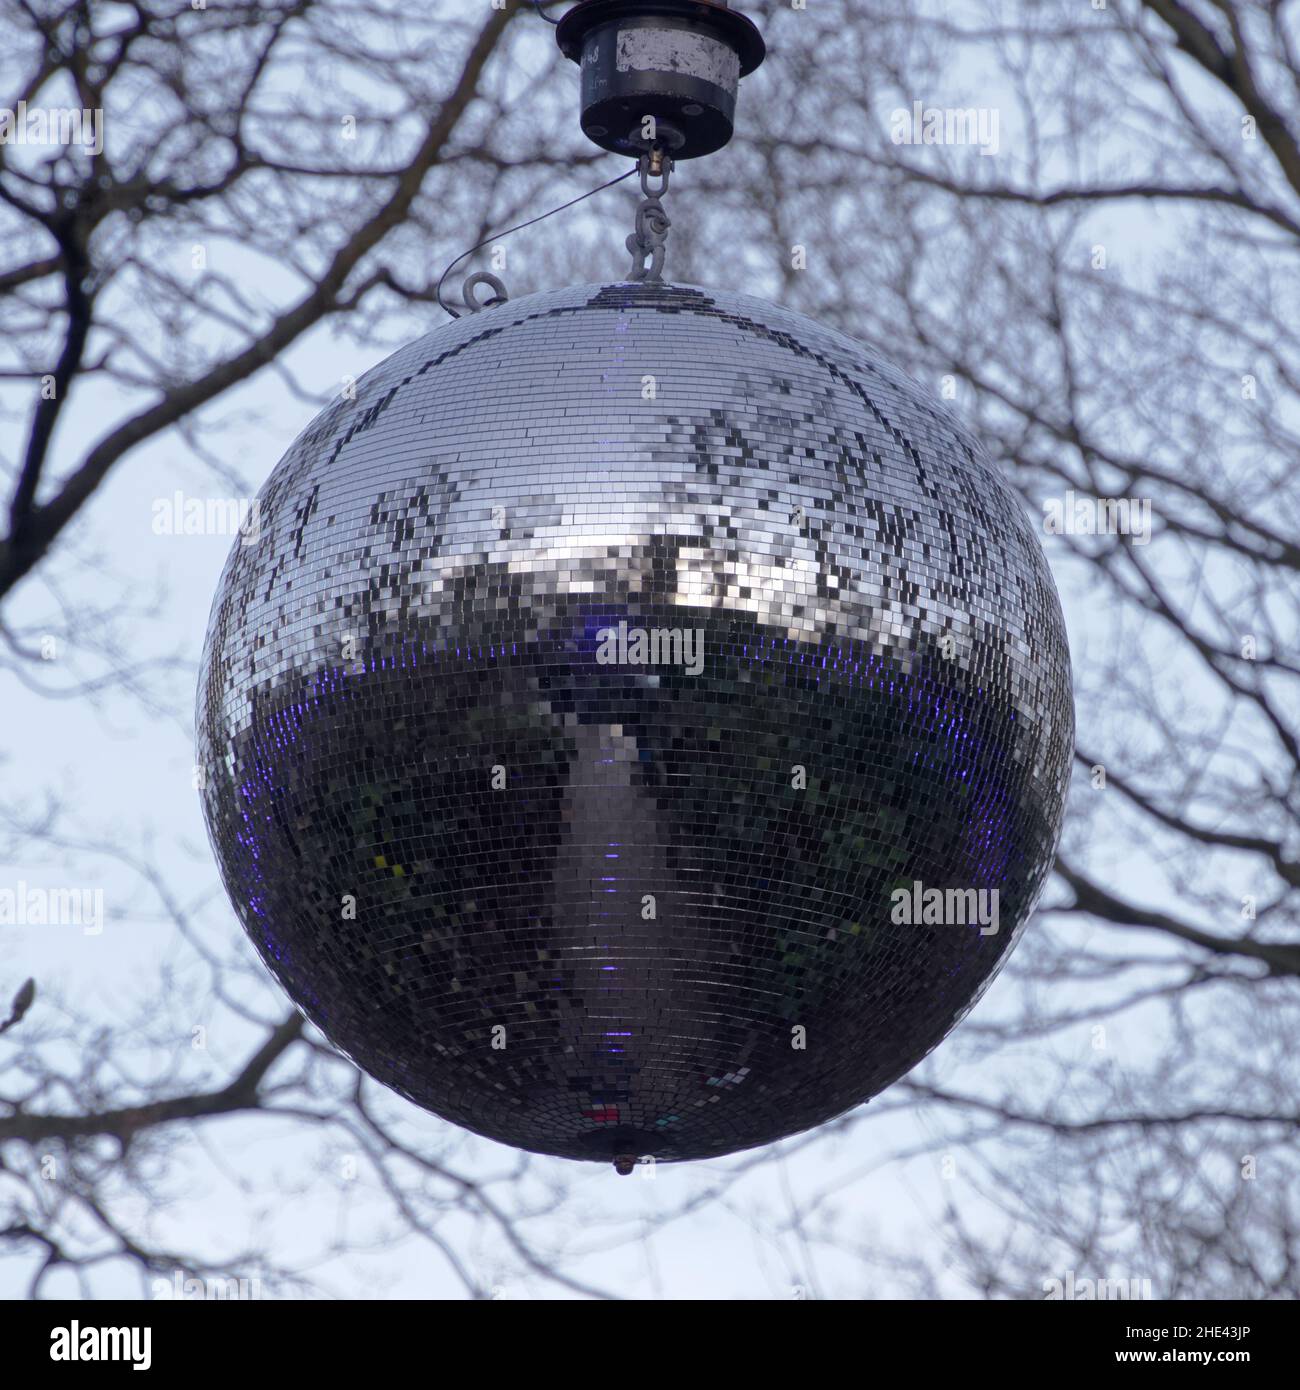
[649, 242]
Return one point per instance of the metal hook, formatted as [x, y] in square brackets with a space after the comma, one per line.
[472, 282]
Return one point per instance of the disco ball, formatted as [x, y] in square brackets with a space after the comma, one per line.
[599, 697]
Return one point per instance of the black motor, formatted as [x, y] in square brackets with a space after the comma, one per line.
[660, 73]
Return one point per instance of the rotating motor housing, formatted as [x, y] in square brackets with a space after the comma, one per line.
[660, 73]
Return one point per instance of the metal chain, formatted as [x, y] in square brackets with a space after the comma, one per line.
[649, 241]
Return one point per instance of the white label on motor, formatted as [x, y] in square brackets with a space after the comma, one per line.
[668, 50]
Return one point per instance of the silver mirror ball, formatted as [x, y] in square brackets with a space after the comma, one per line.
[637, 725]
